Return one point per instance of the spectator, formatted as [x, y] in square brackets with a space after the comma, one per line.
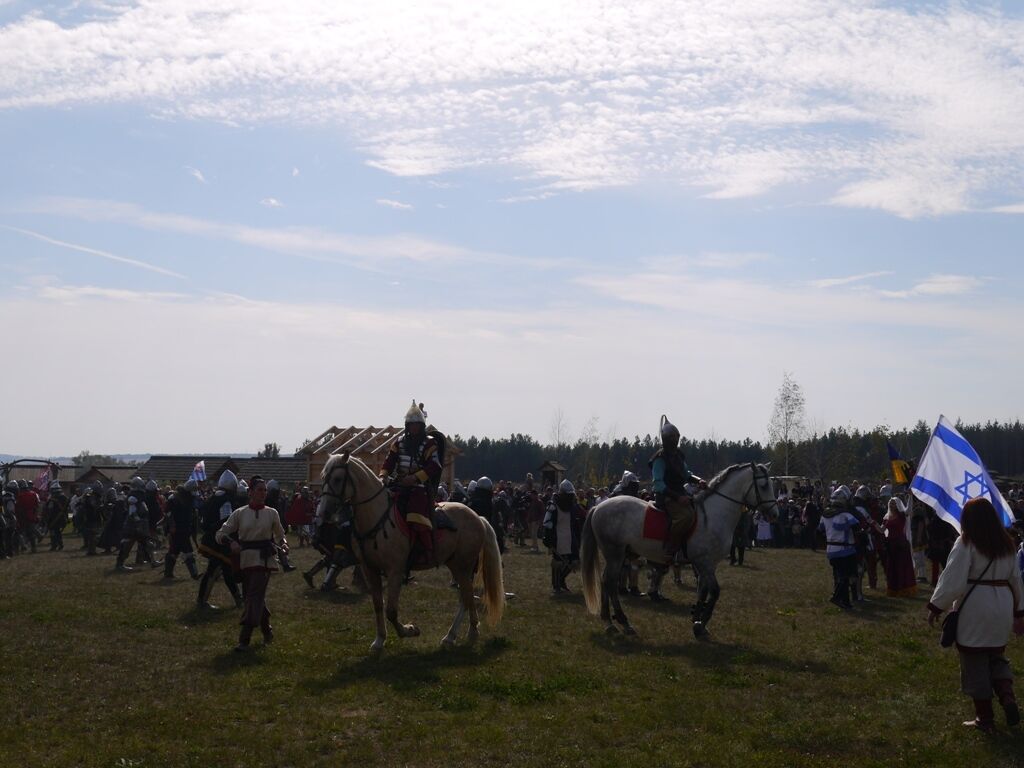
[983, 583]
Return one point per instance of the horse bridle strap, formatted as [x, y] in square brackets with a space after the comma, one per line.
[376, 527]
[753, 485]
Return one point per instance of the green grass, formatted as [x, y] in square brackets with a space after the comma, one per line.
[106, 669]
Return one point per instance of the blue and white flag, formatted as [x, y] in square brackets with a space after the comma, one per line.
[199, 472]
[951, 473]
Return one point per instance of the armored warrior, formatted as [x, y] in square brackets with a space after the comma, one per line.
[181, 518]
[56, 516]
[413, 468]
[564, 518]
[214, 512]
[136, 527]
[28, 514]
[8, 519]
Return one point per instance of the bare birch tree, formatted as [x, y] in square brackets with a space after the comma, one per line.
[788, 422]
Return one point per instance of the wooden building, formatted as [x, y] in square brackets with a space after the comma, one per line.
[290, 471]
[369, 444]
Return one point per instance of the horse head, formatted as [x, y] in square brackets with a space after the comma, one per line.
[760, 496]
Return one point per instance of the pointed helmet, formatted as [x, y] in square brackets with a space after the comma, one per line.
[228, 481]
[415, 415]
[669, 432]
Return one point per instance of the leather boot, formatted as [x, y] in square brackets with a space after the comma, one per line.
[122, 555]
[169, 566]
[244, 635]
[190, 563]
[1004, 692]
[984, 719]
[266, 629]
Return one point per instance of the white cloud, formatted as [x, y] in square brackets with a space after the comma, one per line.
[865, 104]
[295, 172]
[271, 202]
[1015, 208]
[397, 205]
[362, 251]
[196, 174]
[831, 282]
[940, 285]
[714, 260]
[96, 252]
[722, 331]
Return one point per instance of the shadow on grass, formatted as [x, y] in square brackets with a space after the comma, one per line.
[408, 671]
[195, 615]
[337, 596]
[711, 655]
[230, 661]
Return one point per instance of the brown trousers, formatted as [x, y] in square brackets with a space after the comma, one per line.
[255, 613]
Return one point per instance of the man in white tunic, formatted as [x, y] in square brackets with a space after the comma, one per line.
[252, 532]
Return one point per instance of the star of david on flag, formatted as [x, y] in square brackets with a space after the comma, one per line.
[950, 474]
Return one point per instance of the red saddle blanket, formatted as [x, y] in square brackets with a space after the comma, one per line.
[406, 530]
[656, 523]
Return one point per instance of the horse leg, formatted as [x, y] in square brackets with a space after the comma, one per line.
[613, 564]
[609, 584]
[699, 612]
[469, 604]
[377, 593]
[395, 579]
[460, 577]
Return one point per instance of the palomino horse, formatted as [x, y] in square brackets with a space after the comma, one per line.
[384, 550]
[616, 526]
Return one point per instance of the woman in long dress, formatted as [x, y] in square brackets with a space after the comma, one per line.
[899, 565]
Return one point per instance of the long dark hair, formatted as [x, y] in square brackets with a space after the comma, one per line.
[980, 525]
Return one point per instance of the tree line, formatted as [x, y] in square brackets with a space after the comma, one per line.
[836, 454]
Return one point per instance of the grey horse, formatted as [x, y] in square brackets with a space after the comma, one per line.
[616, 527]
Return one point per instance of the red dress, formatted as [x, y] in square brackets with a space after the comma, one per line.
[899, 566]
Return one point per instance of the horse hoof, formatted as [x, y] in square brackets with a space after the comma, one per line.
[700, 632]
[472, 637]
[377, 646]
[447, 644]
[628, 630]
[411, 630]
[611, 629]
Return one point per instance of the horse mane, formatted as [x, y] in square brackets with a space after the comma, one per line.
[339, 458]
[720, 478]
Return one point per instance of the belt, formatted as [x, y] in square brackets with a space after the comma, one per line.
[990, 582]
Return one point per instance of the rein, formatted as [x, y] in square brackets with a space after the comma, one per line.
[382, 521]
[753, 487]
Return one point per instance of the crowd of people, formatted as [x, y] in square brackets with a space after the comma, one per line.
[240, 528]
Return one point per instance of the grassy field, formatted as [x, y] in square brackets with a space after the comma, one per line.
[108, 669]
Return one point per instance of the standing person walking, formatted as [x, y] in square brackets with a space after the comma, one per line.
[252, 532]
[982, 582]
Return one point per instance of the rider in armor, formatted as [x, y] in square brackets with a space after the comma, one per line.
[56, 516]
[181, 517]
[412, 468]
[212, 515]
[671, 478]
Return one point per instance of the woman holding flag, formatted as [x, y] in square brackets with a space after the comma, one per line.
[982, 567]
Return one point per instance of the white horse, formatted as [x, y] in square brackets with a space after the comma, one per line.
[616, 527]
[383, 550]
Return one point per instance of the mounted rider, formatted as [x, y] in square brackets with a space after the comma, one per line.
[673, 485]
[412, 469]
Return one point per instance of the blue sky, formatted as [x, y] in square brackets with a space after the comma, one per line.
[240, 222]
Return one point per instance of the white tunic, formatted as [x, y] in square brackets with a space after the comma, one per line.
[253, 525]
[987, 617]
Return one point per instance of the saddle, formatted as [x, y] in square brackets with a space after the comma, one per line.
[672, 526]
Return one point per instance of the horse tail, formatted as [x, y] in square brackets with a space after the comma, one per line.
[490, 574]
[589, 566]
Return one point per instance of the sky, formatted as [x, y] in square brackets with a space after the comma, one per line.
[225, 223]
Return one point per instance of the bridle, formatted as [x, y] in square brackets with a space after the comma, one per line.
[753, 487]
[353, 503]
[329, 491]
